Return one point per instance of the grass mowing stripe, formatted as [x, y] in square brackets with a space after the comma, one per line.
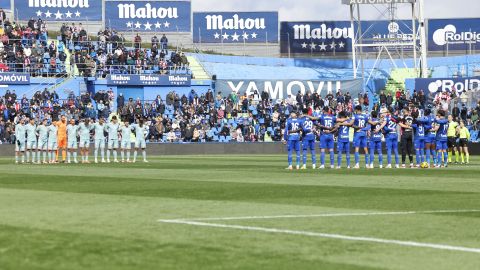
[328, 196]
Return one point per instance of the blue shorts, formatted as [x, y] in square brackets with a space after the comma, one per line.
[327, 142]
[293, 145]
[442, 145]
[360, 140]
[308, 144]
[419, 143]
[430, 139]
[343, 146]
[391, 141]
[375, 145]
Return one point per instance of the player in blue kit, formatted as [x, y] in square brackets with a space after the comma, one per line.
[291, 138]
[389, 126]
[441, 139]
[326, 123]
[343, 141]
[375, 140]
[419, 139]
[430, 147]
[308, 139]
[360, 125]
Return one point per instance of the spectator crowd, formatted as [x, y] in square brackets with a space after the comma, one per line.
[209, 117]
[27, 48]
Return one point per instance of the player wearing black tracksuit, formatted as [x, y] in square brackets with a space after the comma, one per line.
[407, 138]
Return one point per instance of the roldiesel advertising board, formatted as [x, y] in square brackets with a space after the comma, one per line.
[453, 34]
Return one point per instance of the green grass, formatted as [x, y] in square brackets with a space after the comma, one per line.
[105, 216]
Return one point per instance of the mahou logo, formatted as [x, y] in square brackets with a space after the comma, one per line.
[58, 3]
[130, 11]
[218, 22]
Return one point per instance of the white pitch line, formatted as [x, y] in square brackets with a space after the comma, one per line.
[327, 235]
[326, 215]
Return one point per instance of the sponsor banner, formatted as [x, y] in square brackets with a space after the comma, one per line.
[149, 80]
[360, 2]
[453, 34]
[14, 78]
[459, 85]
[59, 10]
[5, 4]
[281, 89]
[336, 36]
[148, 16]
[235, 27]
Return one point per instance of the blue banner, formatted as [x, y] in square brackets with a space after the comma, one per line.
[235, 27]
[453, 34]
[149, 80]
[148, 16]
[10, 78]
[281, 89]
[336, 36]
[59, 10]
[459, 85]
[5, 4]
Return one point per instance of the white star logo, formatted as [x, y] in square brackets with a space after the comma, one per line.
[322, 47]
[58, 15]
[166, 24]
[216, 35]
[245, 36]
[48, 14]
[129, 24]
[235, 37]
[341, 45]
[68, 14]
[304, 45]
[254, 35]
[333, 45]
[313, 45]
[225, 36]
[39, 13]
[158, 25]
[77, 14]
[138, 25]
[148, 26]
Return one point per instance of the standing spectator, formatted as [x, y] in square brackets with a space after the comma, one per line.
[164, 44]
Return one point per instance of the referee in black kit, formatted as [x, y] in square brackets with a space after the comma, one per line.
[407, 137]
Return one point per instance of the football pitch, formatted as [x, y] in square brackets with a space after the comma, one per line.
[237, 212]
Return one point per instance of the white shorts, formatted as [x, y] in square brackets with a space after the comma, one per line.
[126, 145]
[52, 146]
[100, 143]
[112, 144]
[42, 145]
[140, 144]
[72, 144]
[31, 145]
[20, 147]
[84, 143]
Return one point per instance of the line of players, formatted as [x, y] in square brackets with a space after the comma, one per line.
[48, 138]
[429, 136]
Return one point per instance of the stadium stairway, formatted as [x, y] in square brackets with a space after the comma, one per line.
[197, 69]
[397, 79]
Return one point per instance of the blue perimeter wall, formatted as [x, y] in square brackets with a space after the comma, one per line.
[75, 84]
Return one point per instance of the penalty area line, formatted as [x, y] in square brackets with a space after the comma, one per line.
[326, 235]
[326, 215]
